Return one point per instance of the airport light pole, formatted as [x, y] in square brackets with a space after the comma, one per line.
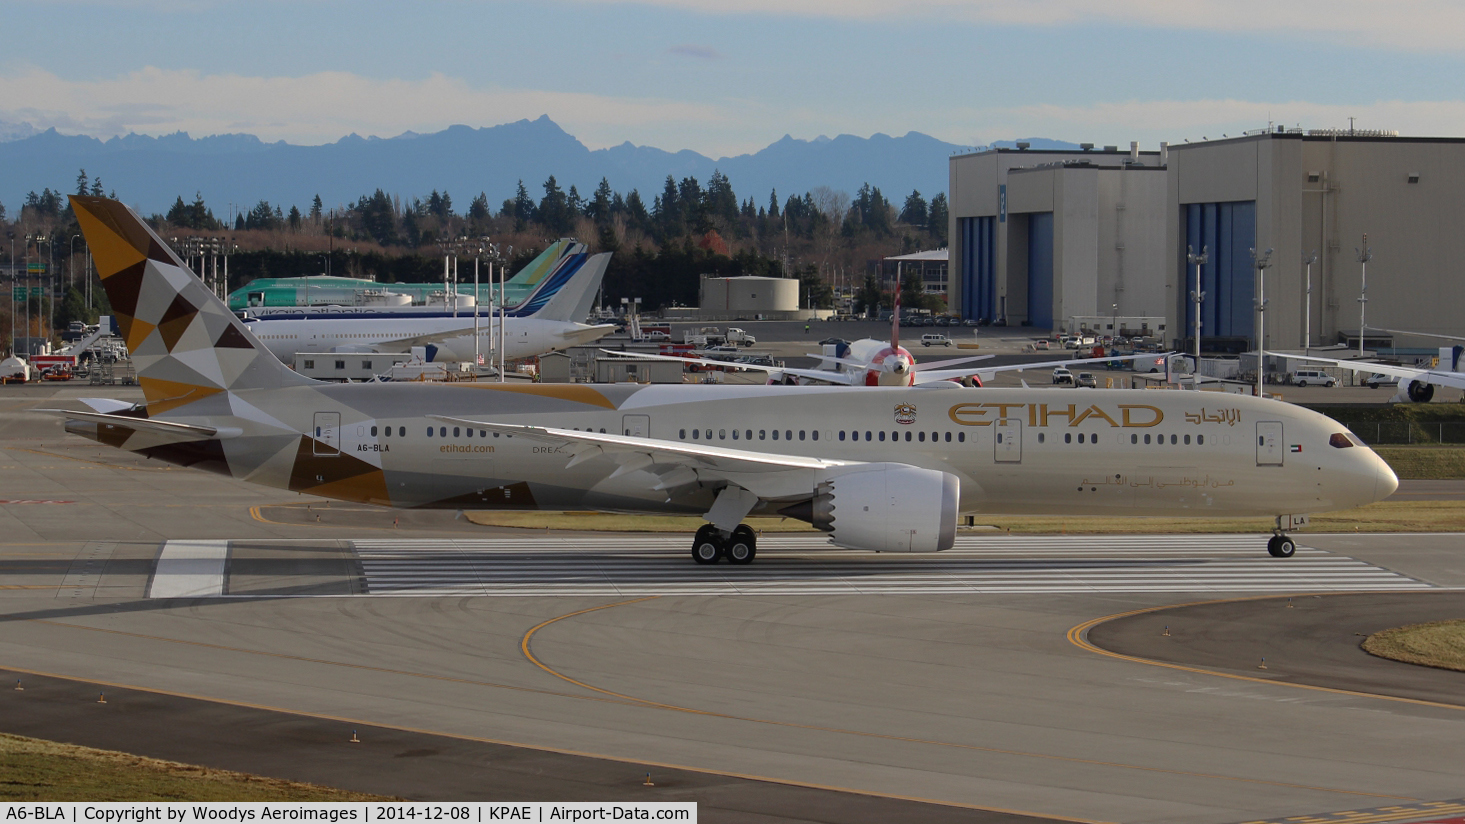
[1197, 296]
[503, 316]
[1364, 256]
[26, 253]
[1262, 262]
[1307, 315]
[10, 236]
[71, 264]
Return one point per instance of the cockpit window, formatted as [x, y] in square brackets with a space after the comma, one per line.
[1340, 440]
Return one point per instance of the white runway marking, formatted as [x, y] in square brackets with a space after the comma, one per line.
[190, 569]
[636, 565]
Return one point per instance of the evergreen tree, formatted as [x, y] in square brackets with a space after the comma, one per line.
[81, 182]
[667, 211]
[523, 208]
[178, 214]
[315, 210]
[97, 186]
[599, 208]
[294, 220]
[773, 204]
[554, 209]
[915, 212]
[636, 211]
[937, 219]
[720, 201]
[378, 217]
[478, 209]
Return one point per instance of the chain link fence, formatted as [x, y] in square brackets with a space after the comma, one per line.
[1407, 432]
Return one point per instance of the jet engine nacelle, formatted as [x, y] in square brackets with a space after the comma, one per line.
[889, 507]
[1421, 392]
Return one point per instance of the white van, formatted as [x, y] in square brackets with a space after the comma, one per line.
[935, 340]
[1303, 377]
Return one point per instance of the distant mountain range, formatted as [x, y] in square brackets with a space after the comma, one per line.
[150, 172]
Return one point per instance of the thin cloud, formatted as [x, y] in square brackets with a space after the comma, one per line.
[1436, 25]
[693, 50]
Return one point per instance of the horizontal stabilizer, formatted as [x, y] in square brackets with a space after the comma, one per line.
[146, 424]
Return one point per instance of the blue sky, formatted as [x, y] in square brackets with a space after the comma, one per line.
[727, 76]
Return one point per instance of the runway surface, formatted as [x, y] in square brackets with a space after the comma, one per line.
[642, 565]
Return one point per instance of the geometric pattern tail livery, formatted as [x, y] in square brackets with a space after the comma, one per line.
[186, 345]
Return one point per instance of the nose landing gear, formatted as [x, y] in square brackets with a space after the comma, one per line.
[1281, 546]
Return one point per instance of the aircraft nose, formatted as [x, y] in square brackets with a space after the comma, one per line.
[1385, 480]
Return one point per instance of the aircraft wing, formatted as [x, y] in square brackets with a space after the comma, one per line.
[770, 476]
[583, 333]
[986, 373]
[1455, 338]
[1454, 380]
[815, 374]
[485, 323]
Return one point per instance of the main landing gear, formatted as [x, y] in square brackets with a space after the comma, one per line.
[738, 547]
[1280, 546]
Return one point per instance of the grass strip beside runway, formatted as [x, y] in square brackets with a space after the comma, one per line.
[1428, 463]
[1439, 644]
[37, 770]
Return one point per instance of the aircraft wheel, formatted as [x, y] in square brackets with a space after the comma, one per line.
[1280, 546]
[707, 546]
[743, 545]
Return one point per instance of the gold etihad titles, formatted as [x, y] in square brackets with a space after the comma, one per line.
[1134, 415]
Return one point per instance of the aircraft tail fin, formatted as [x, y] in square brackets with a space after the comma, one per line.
[186, 345]
[573, 301]
[563, 289]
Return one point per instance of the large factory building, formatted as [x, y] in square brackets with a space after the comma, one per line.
[1055, 239]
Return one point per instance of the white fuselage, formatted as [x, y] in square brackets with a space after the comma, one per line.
[524, 338]
[1056, 451]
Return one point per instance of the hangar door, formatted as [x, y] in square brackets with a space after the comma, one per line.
[1040, 270]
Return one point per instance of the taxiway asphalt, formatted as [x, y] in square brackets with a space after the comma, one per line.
[963, 699]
